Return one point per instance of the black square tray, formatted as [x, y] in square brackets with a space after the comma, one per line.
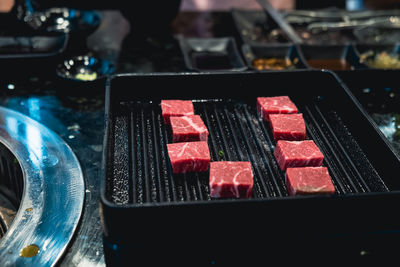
[32, 46]
[146, 209]
[211, 54]
[22, 54]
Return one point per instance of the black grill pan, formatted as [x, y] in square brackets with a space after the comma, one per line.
[144, 206]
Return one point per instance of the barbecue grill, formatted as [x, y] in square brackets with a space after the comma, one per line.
[142, 201]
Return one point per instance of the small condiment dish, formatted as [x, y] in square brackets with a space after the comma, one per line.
[84, 68]
[84, 74]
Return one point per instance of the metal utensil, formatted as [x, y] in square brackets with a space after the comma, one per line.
[389, 22]
[279, 20]
[308, 16]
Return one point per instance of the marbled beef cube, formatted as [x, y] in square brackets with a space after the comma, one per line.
[290, 127]
[275, 105]
[297, 154]
[176, 108]
[188, 128]
[309, 180]
[189, 156]
[231, 179]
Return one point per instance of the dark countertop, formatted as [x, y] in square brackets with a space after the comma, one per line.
[79, 118]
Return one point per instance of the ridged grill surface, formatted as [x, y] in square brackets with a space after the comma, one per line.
[142, 172]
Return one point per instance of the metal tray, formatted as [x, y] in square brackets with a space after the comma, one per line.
[341, 26]
[144, 208]
[316, 27]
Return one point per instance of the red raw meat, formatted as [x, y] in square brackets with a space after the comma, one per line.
[231, 179]
[309, 180]
[188, 128]
[176, 108]
[297, 154]
[189, 156]
[275, 105]
[290, 127]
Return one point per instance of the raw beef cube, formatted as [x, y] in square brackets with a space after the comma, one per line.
[297, 154]
[231, 179]
[275, 105]
[309, 180]
[176, 108]
[189, 156]
[290, 127]
[188, 128]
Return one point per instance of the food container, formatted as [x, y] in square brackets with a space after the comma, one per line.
[379, 56]
[272, 57]
[150, 215]
[331, 57]
[255, 28]
[211, 54]
[83, 75]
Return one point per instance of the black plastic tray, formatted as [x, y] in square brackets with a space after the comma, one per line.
[27, 46]
[211, 54]
[147, 210]
[22, 54]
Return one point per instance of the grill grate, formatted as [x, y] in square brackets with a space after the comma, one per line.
[142, 172]
[11, 188]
